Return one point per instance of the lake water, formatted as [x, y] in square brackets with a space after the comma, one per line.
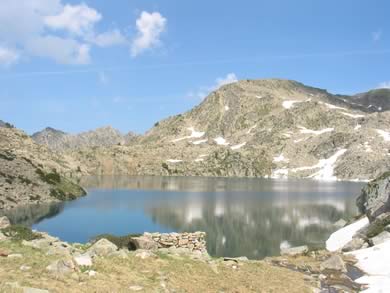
[242, 217]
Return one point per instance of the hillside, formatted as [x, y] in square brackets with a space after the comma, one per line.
[270, 128]
[30, 173]
[60, 141]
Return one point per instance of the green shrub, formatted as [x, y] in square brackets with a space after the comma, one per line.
[19, 233]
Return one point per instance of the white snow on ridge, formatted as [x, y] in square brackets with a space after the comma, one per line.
[352, 115]
[194, 134]
[238, 146]
[280, 158]
[325, 166]
[357, 127]
[259, 97]
[330, 106]
[200, 141]
[341, 237]
[174, 161]
[279, 173]
[315, 132]
[384, 134]
[227, 108]
[289, 104]
[220, 141]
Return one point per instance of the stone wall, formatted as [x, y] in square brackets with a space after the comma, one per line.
[192, 241]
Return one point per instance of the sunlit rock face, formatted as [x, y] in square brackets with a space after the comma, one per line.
[272, 128]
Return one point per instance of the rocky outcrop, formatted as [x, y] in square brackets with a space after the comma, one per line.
[30, 173]
[257, 128]
[375, 197]
[60, 141]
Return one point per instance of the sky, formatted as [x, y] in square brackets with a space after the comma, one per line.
[76, 66]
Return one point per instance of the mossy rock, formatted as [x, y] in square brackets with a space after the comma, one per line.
[19, 233]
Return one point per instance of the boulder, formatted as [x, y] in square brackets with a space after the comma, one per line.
[102, 248]
[121, 253]
[355, 244]
[145, 242]
[374, 199]
[335, 263]
[380, 238]
[83, 260]
[377, 226]
[4, 222]
[294, 250]
[62, 266]
[340, 224]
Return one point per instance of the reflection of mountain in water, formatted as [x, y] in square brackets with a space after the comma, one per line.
[31, 214]
[249, 226]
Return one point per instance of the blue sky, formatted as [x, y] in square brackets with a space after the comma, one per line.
[78, 65]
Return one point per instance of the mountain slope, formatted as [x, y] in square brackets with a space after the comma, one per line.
[59, 140]
[271, 128]
[29, 173]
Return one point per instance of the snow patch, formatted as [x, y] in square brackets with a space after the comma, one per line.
[221, 141]
[238, 146]
[375, 262]
[384, 134]
[174, 161]
[259, 97]
[357, 127]
[315, 132]
[330, 106]
[194, 134]
[200, 141]
[280, 158]
[352, 115]
[326, 167]
[279, 173]
[250, 129]
[289, 104]
[227, 108]
[341, 237]
[199, 160]
[284, 245]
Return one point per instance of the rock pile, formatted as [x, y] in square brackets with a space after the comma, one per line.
[191, 241]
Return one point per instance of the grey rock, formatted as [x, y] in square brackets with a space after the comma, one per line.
[145, 242]
[62, 266]
[340, 223]
[83, 260]
[374, 199]
[335, 262]
[299, 250]
[387, 228]
[380, 238]
[355, 244]
[4, 222]
[103, 247]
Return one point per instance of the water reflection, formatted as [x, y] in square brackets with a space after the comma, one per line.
[251, 217]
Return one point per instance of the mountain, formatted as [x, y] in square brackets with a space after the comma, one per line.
[5, 124]
[30, 173]
[257, 128]
[60, 141]
[377, 100]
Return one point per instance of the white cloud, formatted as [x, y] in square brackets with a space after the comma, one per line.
[203, 91]
[230, 78]
[66, 51]
[384, 85]
[52, 29]
[77, 19]
[109, 38]
[377, 35]
[8, 56]
[149, 26]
